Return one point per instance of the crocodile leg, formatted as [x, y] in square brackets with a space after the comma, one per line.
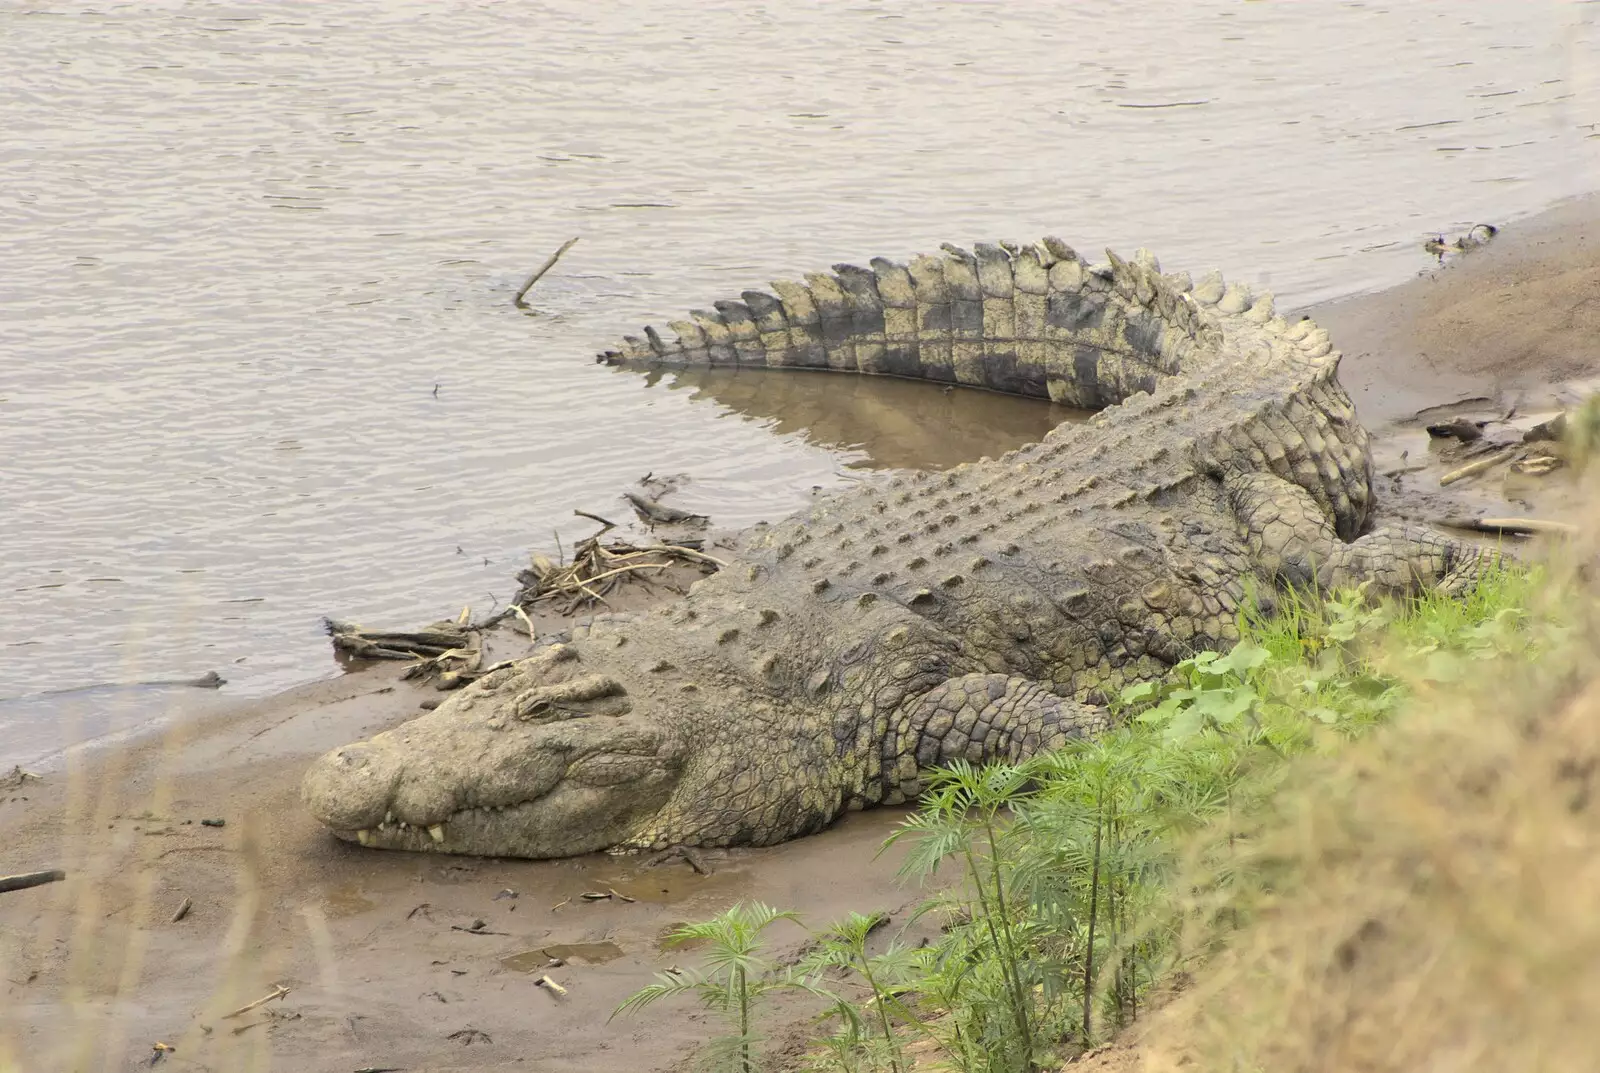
[1292, 539]
[979, 718]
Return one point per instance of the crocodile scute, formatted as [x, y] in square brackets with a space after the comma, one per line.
[987, 612]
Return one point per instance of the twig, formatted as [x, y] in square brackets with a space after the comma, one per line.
[277, 992]
[690, 553]
[596, 518]
[611, 573]
[1526, 525]
[31, 879]
[542, 269]
[591, 594]
[533, 634]
[1472, 469]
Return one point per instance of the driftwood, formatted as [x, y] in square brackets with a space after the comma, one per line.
[549, 263]
[1537, 465]
[31, 879]
[1472, 469]
[598, 568]
[450, 651]
[434, 640]
[277, 992]
[1509, 526]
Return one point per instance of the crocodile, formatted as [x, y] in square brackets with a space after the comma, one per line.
[983, 613]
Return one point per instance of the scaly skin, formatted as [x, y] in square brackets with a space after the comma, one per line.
[984, 613]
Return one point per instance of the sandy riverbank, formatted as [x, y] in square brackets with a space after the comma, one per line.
[370, 943]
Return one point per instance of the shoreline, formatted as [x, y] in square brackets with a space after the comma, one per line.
[380, 949]
[1407, 347]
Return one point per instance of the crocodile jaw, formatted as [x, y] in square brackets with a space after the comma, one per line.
[450, 783]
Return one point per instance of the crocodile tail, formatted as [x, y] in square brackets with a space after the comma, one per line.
[1029, 320]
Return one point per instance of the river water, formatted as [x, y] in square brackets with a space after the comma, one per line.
[258, 357]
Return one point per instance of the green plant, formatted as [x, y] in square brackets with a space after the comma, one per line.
[737, 976]
[843, 946]
[959, 819]
[1065, 914]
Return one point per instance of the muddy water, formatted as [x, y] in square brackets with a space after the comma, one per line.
[259, 361]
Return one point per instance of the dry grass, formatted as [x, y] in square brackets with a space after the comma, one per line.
[1431, 890]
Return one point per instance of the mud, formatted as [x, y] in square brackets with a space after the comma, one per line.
[416, 961]
[386, 955]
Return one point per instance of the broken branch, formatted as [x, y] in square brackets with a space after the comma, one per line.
[277, 992]
[1472, 469]
[540, 271]
[596, 518]
[31, 879]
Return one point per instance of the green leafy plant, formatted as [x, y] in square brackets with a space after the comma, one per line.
[1063, 916]
[842, 947]
[959, 820]
[736, 978]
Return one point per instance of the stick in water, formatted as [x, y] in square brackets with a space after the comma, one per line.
[548, 264]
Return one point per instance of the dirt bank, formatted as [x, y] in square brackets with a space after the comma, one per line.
[386, 963]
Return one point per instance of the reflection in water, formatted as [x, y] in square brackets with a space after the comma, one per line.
[880, 422]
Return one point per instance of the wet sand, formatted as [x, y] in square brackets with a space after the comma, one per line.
[372, 945]
[1512, 320]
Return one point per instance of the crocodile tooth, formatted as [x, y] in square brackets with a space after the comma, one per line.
[388, 817]
[436, 832]
[364, 837]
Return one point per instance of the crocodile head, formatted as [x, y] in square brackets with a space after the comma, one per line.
[553, 781]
